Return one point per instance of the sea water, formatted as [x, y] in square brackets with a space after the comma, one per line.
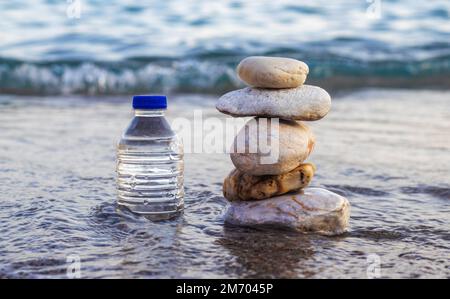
[193, 46]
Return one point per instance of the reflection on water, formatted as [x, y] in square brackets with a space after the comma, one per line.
[387, 151]
[268, 254]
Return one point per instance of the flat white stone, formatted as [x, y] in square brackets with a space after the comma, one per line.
[306, 103]
[272, 72]
[312, 210]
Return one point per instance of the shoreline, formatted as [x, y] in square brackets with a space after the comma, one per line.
[337, 85]
[335, 94]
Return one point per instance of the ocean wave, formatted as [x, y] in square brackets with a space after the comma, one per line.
[210, 72]
[114, 47]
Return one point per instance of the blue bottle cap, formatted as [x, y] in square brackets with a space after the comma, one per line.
[150, 102]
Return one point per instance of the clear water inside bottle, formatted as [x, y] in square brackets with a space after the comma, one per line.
[150, 167]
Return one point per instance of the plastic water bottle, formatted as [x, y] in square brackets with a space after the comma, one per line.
[150, 162]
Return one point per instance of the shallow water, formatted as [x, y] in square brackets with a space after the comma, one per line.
[386, 151]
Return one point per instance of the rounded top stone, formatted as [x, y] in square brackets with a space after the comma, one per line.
[272, 72]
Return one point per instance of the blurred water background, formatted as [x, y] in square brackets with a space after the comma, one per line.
[125, 47]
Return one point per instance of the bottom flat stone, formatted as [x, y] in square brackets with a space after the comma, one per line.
[312, 210]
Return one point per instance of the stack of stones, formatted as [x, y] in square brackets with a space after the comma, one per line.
[275, 194]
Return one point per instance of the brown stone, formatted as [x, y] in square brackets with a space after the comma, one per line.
[243, 186]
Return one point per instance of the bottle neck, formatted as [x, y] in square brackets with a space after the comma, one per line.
[149, 112]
